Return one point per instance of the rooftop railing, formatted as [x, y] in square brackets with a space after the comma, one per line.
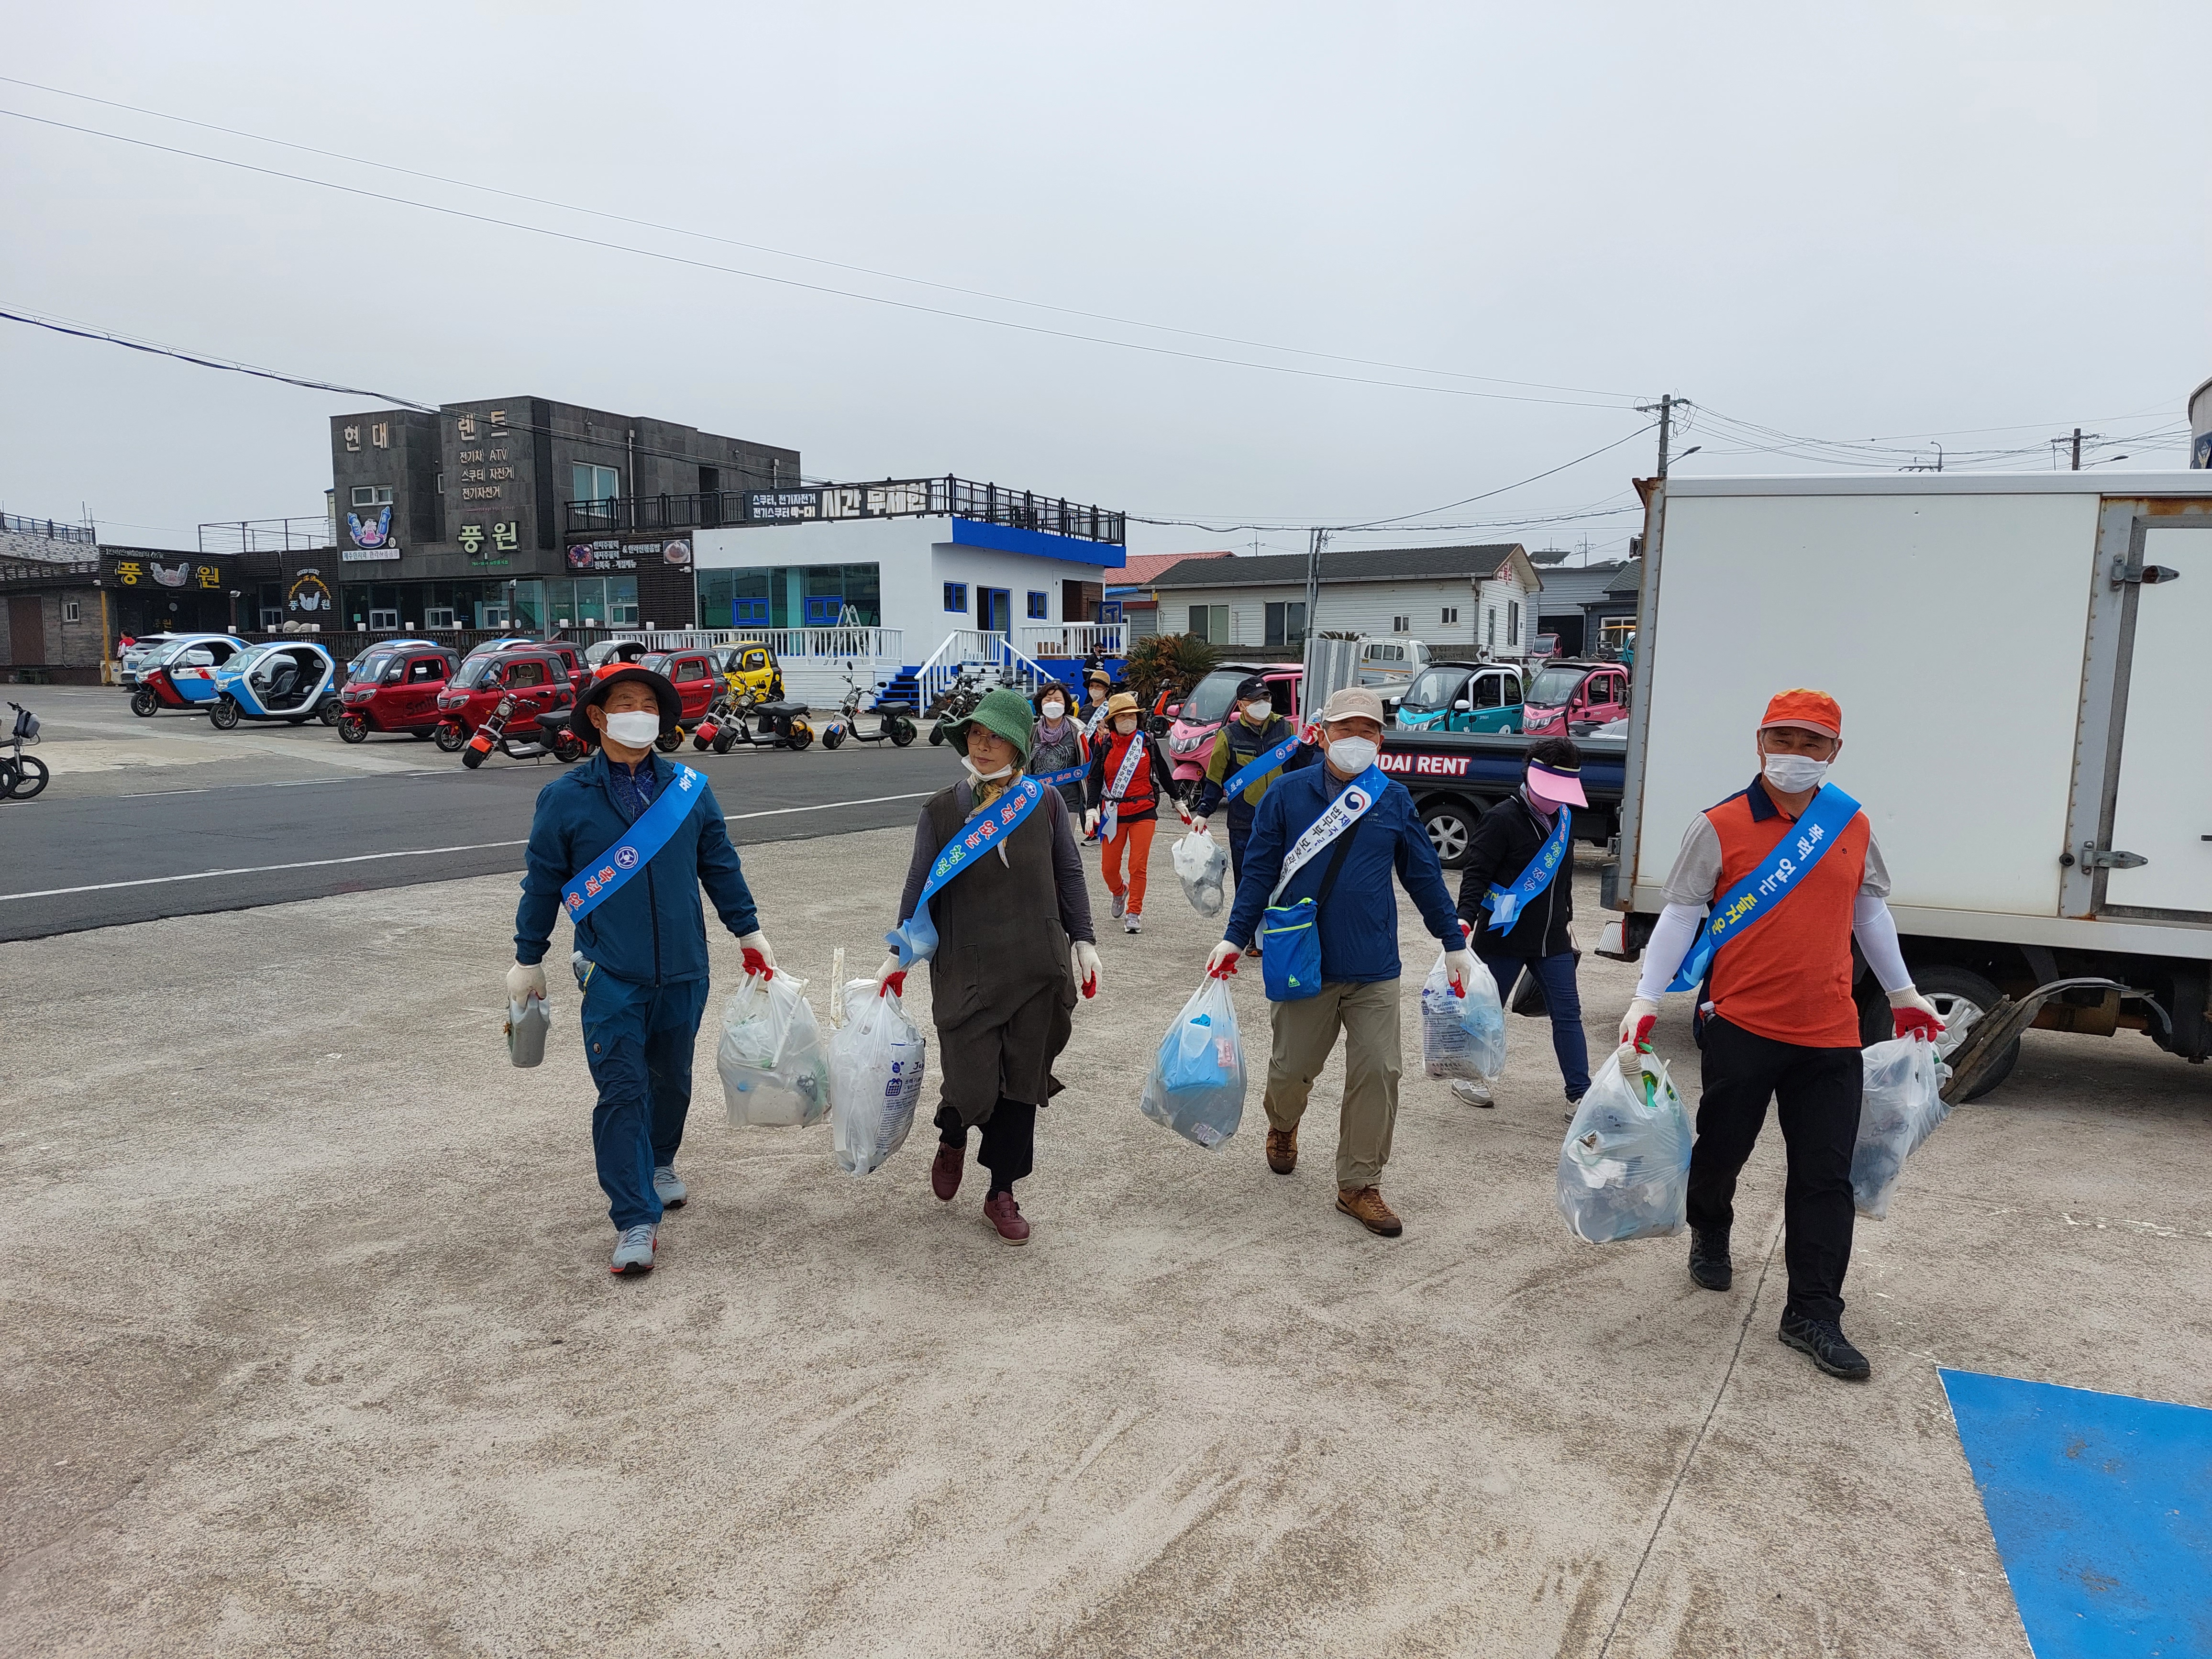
[15, 524]
[892, 498]
[265, 535]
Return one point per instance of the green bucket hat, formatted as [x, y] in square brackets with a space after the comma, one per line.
[1004, 711]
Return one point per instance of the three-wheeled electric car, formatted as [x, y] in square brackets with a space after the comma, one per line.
[395, 688]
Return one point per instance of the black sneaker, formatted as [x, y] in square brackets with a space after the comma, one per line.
[1709, 1258]
[1824, 1341]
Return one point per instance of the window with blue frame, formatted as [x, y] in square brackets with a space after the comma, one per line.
[1039, 607]
[956, 596]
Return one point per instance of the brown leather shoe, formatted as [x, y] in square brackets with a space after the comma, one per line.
[1002, 1212]
[944, 1170]
[1282, 1151]
[1367, 1208]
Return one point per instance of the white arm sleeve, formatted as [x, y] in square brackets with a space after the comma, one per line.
[1875, 929]
[1672, 935]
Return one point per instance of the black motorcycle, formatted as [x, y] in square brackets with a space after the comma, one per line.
[548, 733]
[753, 724]
[893, 723]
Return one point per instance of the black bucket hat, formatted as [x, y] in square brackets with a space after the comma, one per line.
[596, 694]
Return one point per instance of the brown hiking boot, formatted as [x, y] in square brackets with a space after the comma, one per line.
[1367, 1208]
[1282, 1151]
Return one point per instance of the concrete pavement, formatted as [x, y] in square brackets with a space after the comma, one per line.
[312, 1347]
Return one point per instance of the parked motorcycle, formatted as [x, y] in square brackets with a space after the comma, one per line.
[892, 723]
[549, 734]
[22, 776]
[956, 702]
[780, 725]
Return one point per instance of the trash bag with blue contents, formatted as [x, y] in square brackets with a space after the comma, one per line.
[1197, 1083]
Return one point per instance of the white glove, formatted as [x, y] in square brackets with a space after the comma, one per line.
[1636, 1024]
[1085, 955]
[889, 966]
[1089, 820]
[525, 980]
[1632, 1059]
[1459, 967]
[1909, 997]
[757, 941]
[1223, 958]
[1198, 826]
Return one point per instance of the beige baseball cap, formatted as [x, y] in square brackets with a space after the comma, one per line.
[1352, 703]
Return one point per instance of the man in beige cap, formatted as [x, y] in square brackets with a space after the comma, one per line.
[1317, 890]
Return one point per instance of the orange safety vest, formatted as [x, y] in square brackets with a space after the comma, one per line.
[1789, 978]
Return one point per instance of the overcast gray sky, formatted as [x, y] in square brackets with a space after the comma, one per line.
[1907, 222]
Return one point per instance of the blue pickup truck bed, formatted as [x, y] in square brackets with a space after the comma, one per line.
[1456, 777]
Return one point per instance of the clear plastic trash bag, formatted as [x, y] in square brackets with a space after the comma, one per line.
[875, 1079]
[1201, 864]
[527, 1024]
[1625, 1168]
[774, 1071]
[1900, 1106]
[1462, 1037]
[1197, 1083]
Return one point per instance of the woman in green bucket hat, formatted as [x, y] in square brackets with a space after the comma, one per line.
[996, 902]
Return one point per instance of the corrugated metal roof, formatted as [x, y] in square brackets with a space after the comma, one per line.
[1144, 567]
[1361, 564]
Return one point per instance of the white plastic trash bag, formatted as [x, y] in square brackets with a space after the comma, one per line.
[1197, 1084]
[1625, 1169]
[775, 1072]
[875, 1079]
[1900, 1106]
[1200, 864]
[1462, 1037]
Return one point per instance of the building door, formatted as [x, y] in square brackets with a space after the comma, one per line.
[994, 610]
[27, 630]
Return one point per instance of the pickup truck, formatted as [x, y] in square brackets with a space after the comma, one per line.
[1456, 777]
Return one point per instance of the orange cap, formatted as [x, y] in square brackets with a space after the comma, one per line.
[1816, 711]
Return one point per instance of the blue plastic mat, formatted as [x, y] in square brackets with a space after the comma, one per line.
[2101, 1508]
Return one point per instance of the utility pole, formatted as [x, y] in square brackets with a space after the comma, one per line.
[2077, 449]
[1664, 409]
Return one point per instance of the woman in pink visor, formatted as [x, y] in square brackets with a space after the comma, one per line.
[1517, 895]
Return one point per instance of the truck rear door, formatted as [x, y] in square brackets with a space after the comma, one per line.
[2150, 857]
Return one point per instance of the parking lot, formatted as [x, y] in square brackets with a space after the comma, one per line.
[312, 1347]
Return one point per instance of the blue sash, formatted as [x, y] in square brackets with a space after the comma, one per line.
[1760, 893]
[597, 882]
[916, 939]
[1053, 779]
[1259, 766]
[1507, 902]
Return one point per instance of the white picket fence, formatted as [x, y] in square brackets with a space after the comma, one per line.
[1076, 640]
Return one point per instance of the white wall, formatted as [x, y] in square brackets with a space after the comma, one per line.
[1362, 607]
[916, 557]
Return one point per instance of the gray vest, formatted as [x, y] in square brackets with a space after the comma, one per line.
[999, 940]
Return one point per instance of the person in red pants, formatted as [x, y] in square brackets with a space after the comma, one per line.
[1129, 777]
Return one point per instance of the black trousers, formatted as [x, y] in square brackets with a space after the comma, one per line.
[1816, 1096]
[1009, 1140]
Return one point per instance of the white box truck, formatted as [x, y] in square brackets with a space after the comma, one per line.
[2022, 661]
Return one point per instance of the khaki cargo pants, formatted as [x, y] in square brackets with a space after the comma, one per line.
[1305, 1034]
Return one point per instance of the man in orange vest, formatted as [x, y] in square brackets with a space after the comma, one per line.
[1791, 870]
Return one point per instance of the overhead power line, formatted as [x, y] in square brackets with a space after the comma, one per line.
[579, 239]
[787, 253]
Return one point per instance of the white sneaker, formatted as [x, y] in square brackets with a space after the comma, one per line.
[635, 1249]
[1130, 922]
[1120, 902]
[669, 1186]
[1475, 1094]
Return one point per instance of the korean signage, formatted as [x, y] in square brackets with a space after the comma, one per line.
[843, 502]
[369, 538]
[150, 570]
[490, 543]
[310, 595]
[607, 555]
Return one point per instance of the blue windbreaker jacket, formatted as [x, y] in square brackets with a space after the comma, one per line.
[653, 930]
[1360, 923]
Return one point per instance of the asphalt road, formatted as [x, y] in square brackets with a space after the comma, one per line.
[169, 817]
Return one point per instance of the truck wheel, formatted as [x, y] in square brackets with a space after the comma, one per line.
[1962, 996]
[1451, 825]
[223, 713]
[143, 703]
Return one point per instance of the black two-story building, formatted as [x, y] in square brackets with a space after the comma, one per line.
[461, 517]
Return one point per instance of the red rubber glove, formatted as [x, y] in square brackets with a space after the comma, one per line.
[895, 983]
[758, 964]
[1916, 1022]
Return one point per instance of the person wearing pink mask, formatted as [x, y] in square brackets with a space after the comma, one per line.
[1517, 898]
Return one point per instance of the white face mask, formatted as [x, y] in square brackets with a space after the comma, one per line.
[1793, 775]
[1126, 725]
[1352, 756]
[982, 777]
[1257, 713]
[1053, 711]
[635, 729]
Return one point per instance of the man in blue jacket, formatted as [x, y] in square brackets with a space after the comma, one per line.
[641, 955]
[1357, 916]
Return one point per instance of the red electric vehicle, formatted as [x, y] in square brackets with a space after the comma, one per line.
[396, 691]
[538, 677]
